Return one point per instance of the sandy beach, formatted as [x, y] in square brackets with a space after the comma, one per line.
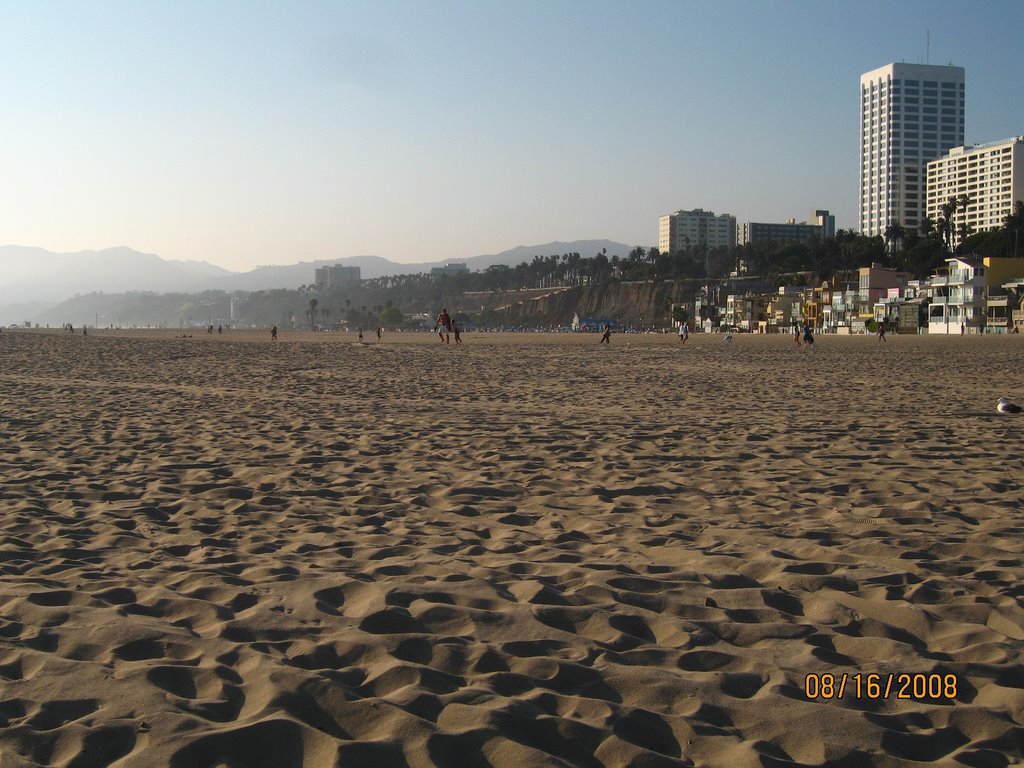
[530, 550]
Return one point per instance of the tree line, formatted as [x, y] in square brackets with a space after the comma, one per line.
[387, 301]
[921, 252]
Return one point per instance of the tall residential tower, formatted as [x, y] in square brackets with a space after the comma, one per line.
[909, 114]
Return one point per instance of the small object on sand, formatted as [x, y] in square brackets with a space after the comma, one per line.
[728, 337]
[1005, 406]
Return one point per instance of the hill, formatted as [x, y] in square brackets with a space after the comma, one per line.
[37, 275]
[34, 280]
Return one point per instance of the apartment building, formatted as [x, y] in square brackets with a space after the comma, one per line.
[450, 268]
[819, 225]
[991, 176]
[683, 230]
[790, 232]
[909, 114]
[337, 277]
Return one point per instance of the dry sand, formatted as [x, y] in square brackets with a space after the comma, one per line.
[527, 551]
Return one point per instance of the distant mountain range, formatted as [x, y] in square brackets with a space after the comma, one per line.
[33, 279]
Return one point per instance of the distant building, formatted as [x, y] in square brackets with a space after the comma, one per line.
[337, 277]
[790, 232]
[874, 285]
[825, 220]
[785, 309]
[449, 269]
[837, 299]
[748, 312]
[909, 114]
[990, 175]
[683, 230]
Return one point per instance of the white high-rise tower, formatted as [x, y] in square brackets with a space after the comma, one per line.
[909, 114]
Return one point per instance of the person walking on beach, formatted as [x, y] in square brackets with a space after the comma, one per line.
[881, 331]
[380, 331]
[808, 336]
[273, 333]
[684, 332]
[457, 332]
[443, 326]
[796, 333]
[606, 337]
[360, 335]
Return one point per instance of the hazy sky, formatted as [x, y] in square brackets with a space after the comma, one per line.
[249, 133]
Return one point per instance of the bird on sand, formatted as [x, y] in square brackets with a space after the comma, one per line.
[1005, 406]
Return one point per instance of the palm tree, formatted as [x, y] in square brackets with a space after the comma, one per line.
[945, 223]
[1014, 223]
[894, 235]
[963, 230]
[312, 313]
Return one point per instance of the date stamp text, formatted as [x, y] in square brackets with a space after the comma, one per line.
[876, 687]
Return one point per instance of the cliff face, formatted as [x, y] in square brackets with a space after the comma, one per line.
[629, 303]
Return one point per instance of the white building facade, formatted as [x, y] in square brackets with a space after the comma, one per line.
[909, 114]
[990, 175]
[683, 230]
[958, 298]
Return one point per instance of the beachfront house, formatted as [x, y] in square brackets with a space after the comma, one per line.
[959, 294]
[874, 284]
[838, 303]
[957, 297]
[746, 312]
[1004, 307]
[887, 308]
[1016, 318]
[997, 312]
[912, 311]
[832, 303]
[708, 306]
[784, 309]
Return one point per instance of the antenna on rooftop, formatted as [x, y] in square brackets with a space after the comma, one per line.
[928, 47]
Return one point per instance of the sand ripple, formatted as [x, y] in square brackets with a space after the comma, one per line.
[525, 551]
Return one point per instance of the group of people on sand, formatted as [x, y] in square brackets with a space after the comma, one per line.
[273, 333]
[445, 327]
[808, 334]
